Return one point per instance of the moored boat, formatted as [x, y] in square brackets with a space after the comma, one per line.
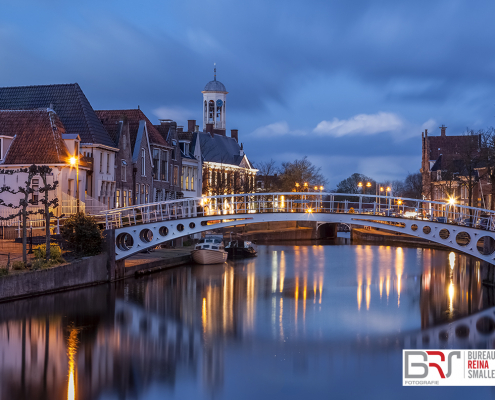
[210, 250]
[241, 249]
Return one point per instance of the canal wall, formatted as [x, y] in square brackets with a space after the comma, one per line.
[286, 230]
[84, 272]
[88, 271]
[383, 236]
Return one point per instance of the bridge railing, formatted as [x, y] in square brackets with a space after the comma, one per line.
[303, 202]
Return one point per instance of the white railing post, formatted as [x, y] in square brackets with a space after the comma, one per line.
[374, 208]
[58, 226]
[360, 205]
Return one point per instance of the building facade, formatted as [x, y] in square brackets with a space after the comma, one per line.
[78, 118]
[450, 168]
[226, 167]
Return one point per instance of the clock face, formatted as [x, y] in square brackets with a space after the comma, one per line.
[219, 103]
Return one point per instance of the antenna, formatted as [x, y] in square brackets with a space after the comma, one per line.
[214, 71]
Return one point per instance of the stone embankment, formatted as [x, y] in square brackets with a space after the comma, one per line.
[388, 237]
[287, 230]
[89, 271]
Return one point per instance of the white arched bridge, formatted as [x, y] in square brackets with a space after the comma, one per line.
[467, 229]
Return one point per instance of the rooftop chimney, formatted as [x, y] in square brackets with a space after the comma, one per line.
[190, 125]
[209, 129]
[196, 128]
[180, 129]
[443, 128]
[234, 134]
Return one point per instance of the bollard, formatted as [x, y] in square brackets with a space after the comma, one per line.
[8, 261]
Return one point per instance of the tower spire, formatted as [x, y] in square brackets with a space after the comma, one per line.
[214, 71]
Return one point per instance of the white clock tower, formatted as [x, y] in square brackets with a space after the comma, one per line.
[214, 95]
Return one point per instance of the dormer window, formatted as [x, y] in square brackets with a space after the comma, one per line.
[184, 147]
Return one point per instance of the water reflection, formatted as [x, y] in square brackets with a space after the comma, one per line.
[240, 329]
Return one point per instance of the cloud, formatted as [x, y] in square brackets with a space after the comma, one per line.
[276, 129]
[178, 114]
[361, 124]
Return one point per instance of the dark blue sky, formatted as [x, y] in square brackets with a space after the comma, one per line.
[350, 84]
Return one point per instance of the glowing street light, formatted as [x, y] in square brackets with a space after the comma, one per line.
[451, 201]
[74, 162]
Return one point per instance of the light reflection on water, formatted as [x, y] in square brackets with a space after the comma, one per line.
[297, 321]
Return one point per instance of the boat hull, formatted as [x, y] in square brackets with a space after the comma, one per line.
[241, 252]
[204, 256]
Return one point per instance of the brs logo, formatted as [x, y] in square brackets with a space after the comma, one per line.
[427, 356]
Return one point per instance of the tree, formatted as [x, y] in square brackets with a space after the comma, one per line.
[82, 234]
[300, 171]
[266, 173]
[471, 160]
[25, 201]
[44, 172]
[351, 184]
[487, 158]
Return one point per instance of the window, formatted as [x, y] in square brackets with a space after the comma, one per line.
[173, 154]
[143, 162]
[117, 198]
[193, 178]
[35, 185]
[123, 171]
[182, 177]
[164, 167]
[176, 175]
[147, 193]
[101, 162]
[188, 171]
[156, 164]
[124, 199]
[108, 163]
[130, 198]
[138, 200]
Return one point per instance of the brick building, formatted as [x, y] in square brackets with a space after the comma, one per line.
[145, 161]
[450, 167]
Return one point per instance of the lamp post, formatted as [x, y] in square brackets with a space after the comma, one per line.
[380, 199]
[74, 161]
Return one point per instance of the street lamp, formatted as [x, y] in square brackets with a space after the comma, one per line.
[74, 161]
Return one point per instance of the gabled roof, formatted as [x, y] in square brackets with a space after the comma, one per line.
[37, 137]
[68, 101]
[111, 119]
[220, 149]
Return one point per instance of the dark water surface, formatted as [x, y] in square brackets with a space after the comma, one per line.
[299, 321]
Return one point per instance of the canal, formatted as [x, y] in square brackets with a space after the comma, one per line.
[302, 320]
